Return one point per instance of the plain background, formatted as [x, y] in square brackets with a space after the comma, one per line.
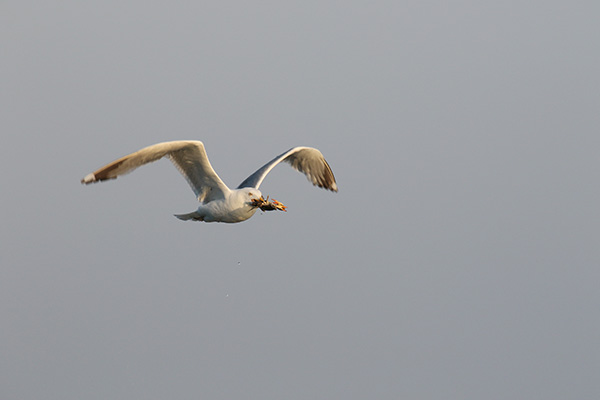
[459, 259]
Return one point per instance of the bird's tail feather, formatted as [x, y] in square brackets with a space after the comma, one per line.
[194, 216]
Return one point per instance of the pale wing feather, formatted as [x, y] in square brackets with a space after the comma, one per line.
[188, 156]
[307, 160]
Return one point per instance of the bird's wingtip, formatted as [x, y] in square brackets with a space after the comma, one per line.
[89, 178]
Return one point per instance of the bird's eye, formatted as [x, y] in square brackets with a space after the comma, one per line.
[250, 194]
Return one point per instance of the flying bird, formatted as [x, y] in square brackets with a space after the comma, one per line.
[218, 203]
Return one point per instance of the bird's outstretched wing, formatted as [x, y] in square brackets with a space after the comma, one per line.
[188, 156]
[307, 160]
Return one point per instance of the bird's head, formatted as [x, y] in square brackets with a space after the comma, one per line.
[249, 194]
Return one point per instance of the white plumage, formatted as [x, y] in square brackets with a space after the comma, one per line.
[218, 202]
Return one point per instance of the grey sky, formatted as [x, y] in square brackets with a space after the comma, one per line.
[458, 261]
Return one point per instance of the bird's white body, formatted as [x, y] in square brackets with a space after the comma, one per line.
[235, 207]
[219, 203]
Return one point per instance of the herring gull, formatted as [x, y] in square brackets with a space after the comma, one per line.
[218, 203]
